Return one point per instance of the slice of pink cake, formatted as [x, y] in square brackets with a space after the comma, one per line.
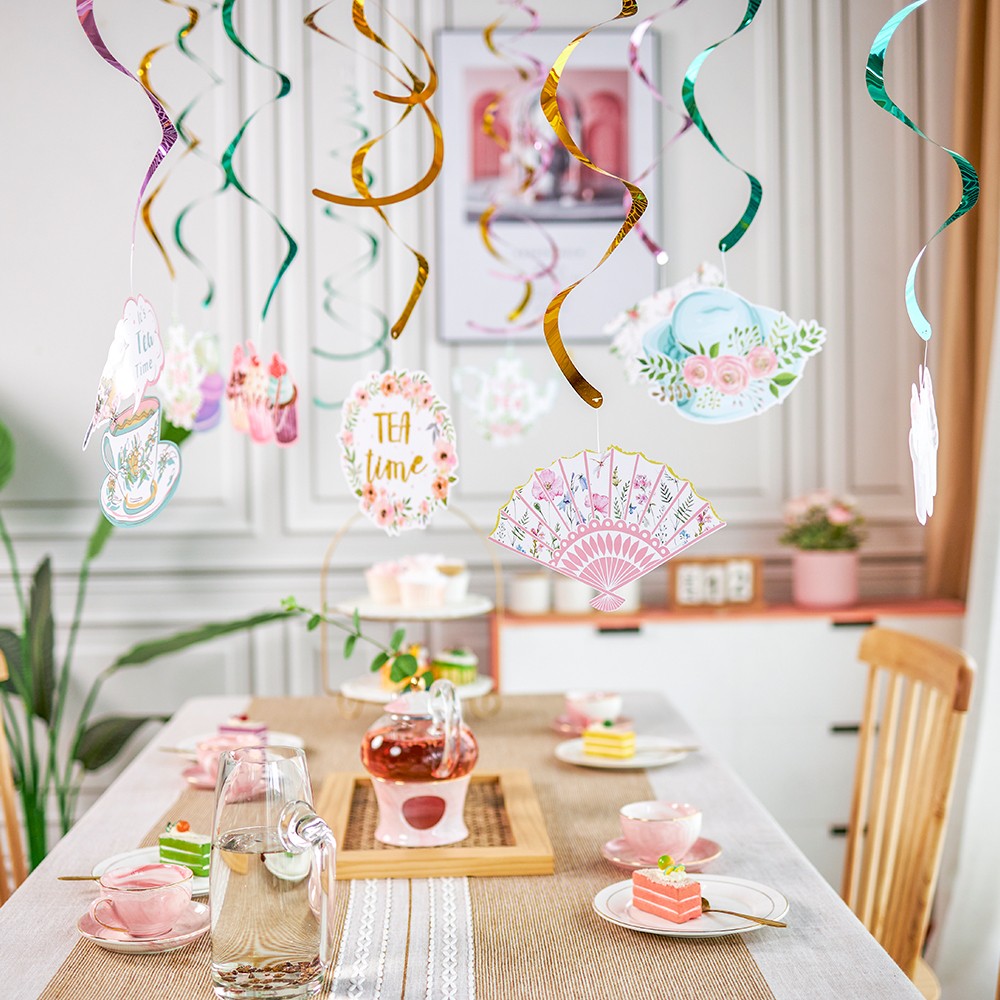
[672, 895]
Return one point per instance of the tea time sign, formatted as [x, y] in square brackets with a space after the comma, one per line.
[397, 449]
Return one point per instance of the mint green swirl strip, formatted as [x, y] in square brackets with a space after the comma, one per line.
[333, 284]
[227, 157]
[875, 81]
[195, 146]
[687, 95]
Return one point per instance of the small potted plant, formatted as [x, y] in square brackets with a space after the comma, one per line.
[826, 531]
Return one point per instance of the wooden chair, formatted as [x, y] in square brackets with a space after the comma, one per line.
[11, 820]
[915, 707]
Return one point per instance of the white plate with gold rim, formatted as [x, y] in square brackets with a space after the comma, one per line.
[614, 904]
[650, 751]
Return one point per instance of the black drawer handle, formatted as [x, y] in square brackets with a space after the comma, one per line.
[838, 831]
[841, 728]
[621, 630]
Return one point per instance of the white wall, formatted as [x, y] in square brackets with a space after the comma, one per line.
[849, 196]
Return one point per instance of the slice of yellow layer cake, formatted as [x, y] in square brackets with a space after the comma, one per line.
[602, 740]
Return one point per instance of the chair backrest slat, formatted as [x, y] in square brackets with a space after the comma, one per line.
[915, 706]
[11, 820]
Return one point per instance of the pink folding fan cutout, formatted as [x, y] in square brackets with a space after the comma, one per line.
[604, 519]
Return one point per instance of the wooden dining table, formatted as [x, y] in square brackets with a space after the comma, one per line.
[524, 936]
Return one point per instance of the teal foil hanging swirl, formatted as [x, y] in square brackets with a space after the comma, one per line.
[285, 86]
[687, 95]
[875, 81]
[196, 148]
[334, 284]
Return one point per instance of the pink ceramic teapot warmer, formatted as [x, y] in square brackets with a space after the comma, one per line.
[420, 756]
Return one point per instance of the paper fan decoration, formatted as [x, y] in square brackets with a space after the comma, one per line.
[604, 519]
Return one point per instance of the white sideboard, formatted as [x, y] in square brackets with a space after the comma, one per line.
[777, 692]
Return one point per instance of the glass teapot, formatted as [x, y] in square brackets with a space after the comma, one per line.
[420, 756]
[271, 878]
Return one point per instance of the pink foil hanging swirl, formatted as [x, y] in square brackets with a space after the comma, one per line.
[634, 45]
[85, 14]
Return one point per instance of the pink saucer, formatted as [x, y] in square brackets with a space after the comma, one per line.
[568, 726]
[701, 853]
[199, 778]
[193, 923]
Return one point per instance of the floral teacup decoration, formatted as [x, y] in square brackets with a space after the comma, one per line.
[397, 449]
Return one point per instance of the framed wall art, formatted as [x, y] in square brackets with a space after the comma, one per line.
[514, 206]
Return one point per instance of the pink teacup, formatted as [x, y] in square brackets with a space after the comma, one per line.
[653, 828]
[143, 902]
[585, 707]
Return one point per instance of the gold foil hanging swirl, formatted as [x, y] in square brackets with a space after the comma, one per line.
[550, 108]
[191, 141]
[489, 129]
[420, 92]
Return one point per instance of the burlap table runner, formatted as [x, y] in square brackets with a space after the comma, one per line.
[534, 937]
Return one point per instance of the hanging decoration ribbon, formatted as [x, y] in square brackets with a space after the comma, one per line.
[333, 285]
[923, 436]
[875, 81]
[285, 86]
[634, 45]
[550, 108]
[420, 92]
[193, 144]
[527, 77]
[687, 94]
[85, 14]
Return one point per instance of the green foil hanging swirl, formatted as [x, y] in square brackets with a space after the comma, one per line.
[285, 86]
[875, 81]
[687, 95]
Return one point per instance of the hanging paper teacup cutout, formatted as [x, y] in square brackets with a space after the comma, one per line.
[604, 519]
[506, 402]
[397, 449]
[143, 470]
[262, 397]
[719, 358]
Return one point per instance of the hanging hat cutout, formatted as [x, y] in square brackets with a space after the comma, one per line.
[715, 356]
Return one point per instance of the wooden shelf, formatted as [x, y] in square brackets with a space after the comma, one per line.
[864, 611]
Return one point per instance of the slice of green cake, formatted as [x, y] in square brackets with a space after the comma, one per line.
[178, 846]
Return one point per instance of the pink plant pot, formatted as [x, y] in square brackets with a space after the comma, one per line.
[824, 579]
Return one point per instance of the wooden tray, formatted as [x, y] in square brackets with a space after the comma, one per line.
[507, 831]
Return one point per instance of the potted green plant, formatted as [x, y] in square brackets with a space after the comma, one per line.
[826, 532]
[35, 699]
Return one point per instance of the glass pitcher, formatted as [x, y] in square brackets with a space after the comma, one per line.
[271, 878]
[420, 756]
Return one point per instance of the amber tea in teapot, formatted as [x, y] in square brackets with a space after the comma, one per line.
[420, 756]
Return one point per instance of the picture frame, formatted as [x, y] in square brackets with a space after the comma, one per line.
[716, 581]
[567, 219]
